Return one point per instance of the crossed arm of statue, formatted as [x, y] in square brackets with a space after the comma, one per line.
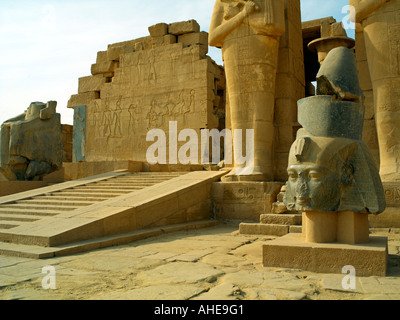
[363, 8]
[219, 31]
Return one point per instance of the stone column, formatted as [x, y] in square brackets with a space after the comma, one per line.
[380, 20]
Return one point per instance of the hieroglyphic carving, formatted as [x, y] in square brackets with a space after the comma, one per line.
[116, 119]
[241, 193]
[153, 84]
[392, 194]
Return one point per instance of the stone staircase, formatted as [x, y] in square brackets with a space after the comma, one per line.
[99, 211]
[20, 212]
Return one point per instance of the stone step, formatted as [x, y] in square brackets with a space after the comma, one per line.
[131, 210]
[138, 180]
[114, 188]
[16, 217]
[63, 203]
[117, 185]
[156, 174]
[281, 219]
[37, 207]
[116, 192]
[37, 252]
[36, 213]
[7, 226]
[264, 229]
[75, 198]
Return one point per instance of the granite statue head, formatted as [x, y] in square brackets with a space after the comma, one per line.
[332, 174]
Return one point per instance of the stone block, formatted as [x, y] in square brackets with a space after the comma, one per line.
[158, 30]
[282, 219]
[82, 99]
[279, 208]
[102, 57]
[114, 53]
[292, 252]
[190, 39]
[263, 229]
[163, 40]
[91, 83]
[179, 28]
[104, 67]
[243, 200]
[295, 229]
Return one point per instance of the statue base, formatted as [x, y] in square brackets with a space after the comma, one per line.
[292, 252]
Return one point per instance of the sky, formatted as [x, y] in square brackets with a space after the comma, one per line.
[46, 46]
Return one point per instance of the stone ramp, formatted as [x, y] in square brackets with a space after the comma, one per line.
[103, 210]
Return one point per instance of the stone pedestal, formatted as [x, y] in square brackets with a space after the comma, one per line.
[344, 227]
[291, 251]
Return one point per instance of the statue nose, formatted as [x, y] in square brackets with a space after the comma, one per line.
[302, 188]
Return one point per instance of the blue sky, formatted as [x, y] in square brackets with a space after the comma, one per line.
[47, 45]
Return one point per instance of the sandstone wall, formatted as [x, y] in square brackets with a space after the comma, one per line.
[143, 84]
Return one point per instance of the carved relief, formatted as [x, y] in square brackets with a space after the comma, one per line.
[392, 194]
[240, 193]
[116, 119]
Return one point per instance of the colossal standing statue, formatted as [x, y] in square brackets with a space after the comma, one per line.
[248, 33]
[380, 20]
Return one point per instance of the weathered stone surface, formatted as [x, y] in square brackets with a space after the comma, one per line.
[181, 272]
[378, 31]
[91, 83]
[226, 31]
[200, 38]
[145, 84]
[79, 135]
[31, 143]
[333, 35]
[264, 229]
[244, 200]
[112, 273]
[158, 30]
[179, 28]
[284, 219]
[326, 143]
[292, 252]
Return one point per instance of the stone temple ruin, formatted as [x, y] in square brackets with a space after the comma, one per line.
[335, 140]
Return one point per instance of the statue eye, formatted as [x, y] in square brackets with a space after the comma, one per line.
[315, 175]
[292, 175]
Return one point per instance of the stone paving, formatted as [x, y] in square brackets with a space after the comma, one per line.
[207, 264]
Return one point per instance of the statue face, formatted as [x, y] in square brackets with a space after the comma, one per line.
[312, 188]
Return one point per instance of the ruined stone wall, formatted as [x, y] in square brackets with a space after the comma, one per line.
[143, 84]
